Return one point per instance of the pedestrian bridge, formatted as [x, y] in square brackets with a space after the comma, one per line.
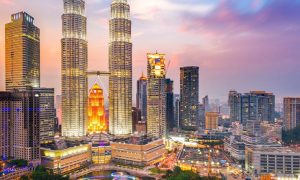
[110, 167]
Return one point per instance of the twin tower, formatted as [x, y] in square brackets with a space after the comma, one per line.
[74, 69]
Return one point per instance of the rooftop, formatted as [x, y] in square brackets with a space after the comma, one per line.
[136, 140]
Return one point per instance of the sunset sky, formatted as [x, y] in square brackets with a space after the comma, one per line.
[238, 44]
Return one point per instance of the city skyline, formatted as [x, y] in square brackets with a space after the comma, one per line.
[248, 26]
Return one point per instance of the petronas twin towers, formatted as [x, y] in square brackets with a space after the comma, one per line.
[74, 69]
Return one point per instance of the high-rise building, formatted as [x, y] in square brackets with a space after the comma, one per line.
[141, 96]
[47, 114]
[22, 52]
[74, 69]
[169, 105]
[266, 105]
[202, 116]
[291, 111]
[205, 102]
[156, 97]
[211, 120]
[20, 124]
[234, 103]
[256, 105]
[176, 110]
[96, 111]
[120, 67]
[189, 98]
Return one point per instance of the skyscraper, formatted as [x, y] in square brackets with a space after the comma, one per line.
[20, 136]
[96, 111]
[256, 105]
[120, 67]
[291, 111]
[169, 105]
[189, 98]
[47, 114]
[74, 69]
[156, 98]
[22, 52]
[176, 110]
[141, 97]
[234, 99]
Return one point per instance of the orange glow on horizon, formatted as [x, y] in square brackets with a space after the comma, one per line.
[96, 111]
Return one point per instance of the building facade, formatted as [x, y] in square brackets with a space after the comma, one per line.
[20, 124]
[120, 67]
[255, 105]
[189, 98]
[22, 52]
[68, 159]
[138, 151]
[272, 160]
[141, 97]
[176, 110]
[156, 97]
[96, 111]
[74, 54]
[47, 114]
[291, 111]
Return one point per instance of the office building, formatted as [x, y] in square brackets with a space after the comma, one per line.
[156, 97]
[211, 120]
[141, 97]
[74, 69]
[47, 114]
[280, 161]
[202, 115]
[96, 111]
[256, 105]
[169, 105]
[291, 111]
[20, 136]
[137, 150]
[189, 98]
[120, 67]
[234, 103]
[22, 52]
[72, 156]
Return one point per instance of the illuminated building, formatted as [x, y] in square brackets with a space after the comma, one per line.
[141, 96]
[74, 69]
[22, 52]
[137, 150]
[156, 97]
[176, 110]
[211, 120]
[120, 67]
[291, 111]
[189, 98]
[20, 136]
[47, 114]
[136, 118]
[101, 153]
[96, 111]
[72, 157]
